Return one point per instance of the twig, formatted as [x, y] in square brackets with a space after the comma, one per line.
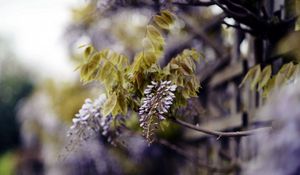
[198, 3]
[240, 7]
[230, 12]
[264, 12]
[219, 133]
[238, 27]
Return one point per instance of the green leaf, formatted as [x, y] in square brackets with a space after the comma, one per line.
[157, 41]
[161, 22]
[269, 86]
[256, 77]
[120, 61]
[288, 69]
[88, 51]
[181, 71]
[89, 70]
[109, 105]
[109, 75]
[149, 59]
[265, 76]
[153, 33]
[122, 101]
[280, 79]
[192, 53]
[168, 16]
[137, 64]
[253, 75]
[106, 70]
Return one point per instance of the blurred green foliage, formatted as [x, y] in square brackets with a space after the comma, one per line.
[15, 84]
[13, 89]
[7, 164]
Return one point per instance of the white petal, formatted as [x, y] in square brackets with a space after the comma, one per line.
[161, 117]
[154, 83]
[75, 120]
[88, 100]
[150, 86]
[173, 87]
[167, 102]
[85, 117]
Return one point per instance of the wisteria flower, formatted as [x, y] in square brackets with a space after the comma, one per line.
[87, 121]
[156, 104]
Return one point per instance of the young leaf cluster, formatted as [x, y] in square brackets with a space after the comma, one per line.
[264, 80]
[181, 71]
[145, 62]
[110, 68]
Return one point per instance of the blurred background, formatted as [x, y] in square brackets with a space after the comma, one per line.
[34, 66]
[40, 91]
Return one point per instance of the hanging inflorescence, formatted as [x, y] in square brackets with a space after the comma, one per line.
[88, 122]
[155, 106]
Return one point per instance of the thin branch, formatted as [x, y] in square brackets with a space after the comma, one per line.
[213, 23]
[238, 27]
[221, 134]
[244, 9]
[229, 12]
[198, 3]
[264, 12]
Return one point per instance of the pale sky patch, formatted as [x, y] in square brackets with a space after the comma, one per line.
[36, 28]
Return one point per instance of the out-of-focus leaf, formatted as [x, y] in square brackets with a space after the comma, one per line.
[157, 41]
[256, 77]
[181, 71]
[265, 76]
[280, 79]
[168, 16]
[193, 53]
[120, 61]
[253, 75]
[287, 69]
[88, 51]
[161, 22]
[122, 101]
[268, 87]
[153, 33]
[290, 45]
[109, 105]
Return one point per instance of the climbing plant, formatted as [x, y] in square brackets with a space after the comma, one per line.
[141, 86]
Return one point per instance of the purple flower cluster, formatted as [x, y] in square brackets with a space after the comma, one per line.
[158, 100]
[87, 122]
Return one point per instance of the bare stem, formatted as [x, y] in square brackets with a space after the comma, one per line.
[238, 27]
[218, 133]
[199, 3]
